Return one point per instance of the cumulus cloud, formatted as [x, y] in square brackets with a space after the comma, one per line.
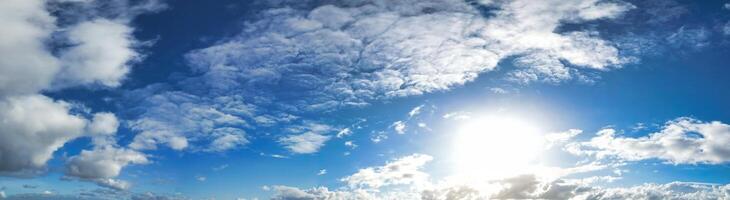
[103, 164]
[44, 49]
[100, 54]
[26, 66]
[405, 170]
[104, 124]
[681, 141]
[32, 127]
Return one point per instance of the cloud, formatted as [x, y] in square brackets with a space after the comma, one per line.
[32, 127]
[221, 167]
[528, 186]
[102, 164]
[304, 143]
[674, 190]
[379, 137]
[681, 141]
[553, 139]
[399, 127]
[692, 38]
[344, 133]
[415, 111]
[100, 52]
[44, 49]
[319, 193]
[227, 138]
[291, 61]
[379, 183]
[104, 123]
[175, 118]
[307, 138]
[32, 68]
[460, 115]
[350, 144]
[322, 172]
[405, 170]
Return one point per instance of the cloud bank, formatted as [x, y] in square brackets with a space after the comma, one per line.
[292, 59]
[45, 49]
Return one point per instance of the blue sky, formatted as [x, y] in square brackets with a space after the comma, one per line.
[364, 99]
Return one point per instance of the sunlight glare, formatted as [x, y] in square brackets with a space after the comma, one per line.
[496, 147]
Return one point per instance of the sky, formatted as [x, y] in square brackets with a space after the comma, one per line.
[364, 99]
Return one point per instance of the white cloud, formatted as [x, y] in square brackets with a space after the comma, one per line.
[103, 164]
[561, 137]
[319, 193]
[408, 51]
[399, 127]
[32, 127]
[227, 138]
[201, 178]
[344, 133]
[25, 65]
[176, 118]
[405, 170]
[350, 144]
[103, 124]
[101, 53]
[305, 143]
[322, 172]
[293, 61]
[461, 115]
[379, 137]
[674, 191]
[681, 141]
[375, 182]
[415, 111]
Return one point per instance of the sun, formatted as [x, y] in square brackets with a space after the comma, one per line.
[496, 147]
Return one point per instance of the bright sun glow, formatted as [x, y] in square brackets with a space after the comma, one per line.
[496, 147]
